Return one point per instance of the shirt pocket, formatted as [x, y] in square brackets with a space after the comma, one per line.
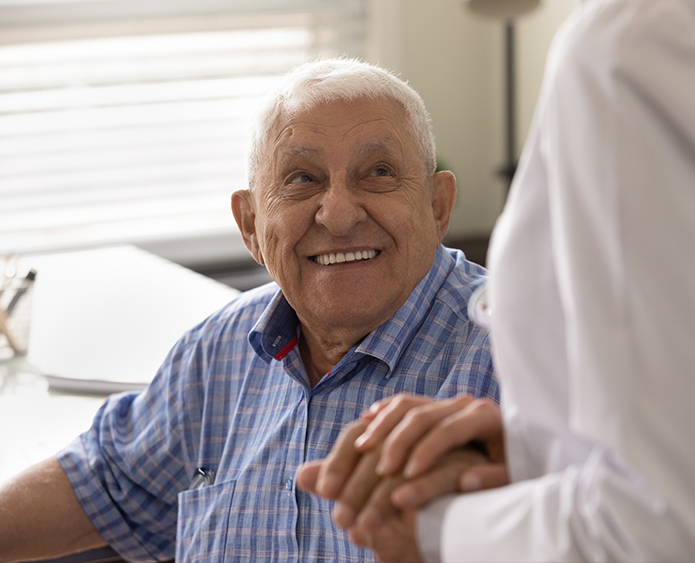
[203, 522]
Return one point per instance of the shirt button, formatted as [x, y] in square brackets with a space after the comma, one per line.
[288, 485]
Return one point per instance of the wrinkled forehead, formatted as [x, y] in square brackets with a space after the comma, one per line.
[362, 126]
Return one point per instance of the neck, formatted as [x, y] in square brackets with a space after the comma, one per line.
[320, 355]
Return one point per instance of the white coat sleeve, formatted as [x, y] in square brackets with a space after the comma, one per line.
[616, 135]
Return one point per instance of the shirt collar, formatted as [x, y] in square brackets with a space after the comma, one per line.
[388, 341]
[276, 331]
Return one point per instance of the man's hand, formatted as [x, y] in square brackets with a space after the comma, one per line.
[327, 477]
[394, 541]
[419, 432]
[363, 506]
[404, 452]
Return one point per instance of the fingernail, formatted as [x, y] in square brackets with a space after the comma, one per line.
[471, 482]
[361, 439]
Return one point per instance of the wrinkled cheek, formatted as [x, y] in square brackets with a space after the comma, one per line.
[273, 252]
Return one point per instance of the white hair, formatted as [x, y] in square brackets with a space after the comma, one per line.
[325, 81]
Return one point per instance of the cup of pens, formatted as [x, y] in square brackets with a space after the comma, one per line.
[15, 314]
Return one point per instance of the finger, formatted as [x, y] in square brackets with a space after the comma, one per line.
[481, 420]
[483, 477]
[394, 541]
[340, 462]
[416, 423]
[357, 490]
[378, 508]
[381, 404]
[307, 476]
[387, 414]
[359, 538]
[377, 407]
[443, 479]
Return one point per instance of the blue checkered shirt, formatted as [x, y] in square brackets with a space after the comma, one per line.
[233, 397]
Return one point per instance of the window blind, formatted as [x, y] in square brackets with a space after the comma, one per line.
[127, 121]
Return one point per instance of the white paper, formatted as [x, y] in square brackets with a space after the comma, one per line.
[112, 314]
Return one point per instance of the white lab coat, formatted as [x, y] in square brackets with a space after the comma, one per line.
[592, 289]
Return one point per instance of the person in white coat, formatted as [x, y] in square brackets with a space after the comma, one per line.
[592, 294]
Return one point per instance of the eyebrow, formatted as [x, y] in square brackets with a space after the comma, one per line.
[294, 152]
[375, 147]
[303, 151]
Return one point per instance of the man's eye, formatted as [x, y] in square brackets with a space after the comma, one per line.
[381, 170]
[300, 179]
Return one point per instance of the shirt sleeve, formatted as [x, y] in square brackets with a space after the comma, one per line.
[617, 131]
[129, 467]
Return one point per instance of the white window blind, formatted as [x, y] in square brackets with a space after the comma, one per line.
[126, 121]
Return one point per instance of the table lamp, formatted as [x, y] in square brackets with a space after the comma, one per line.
[507, 11]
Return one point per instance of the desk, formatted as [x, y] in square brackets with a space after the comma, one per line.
[35, 422]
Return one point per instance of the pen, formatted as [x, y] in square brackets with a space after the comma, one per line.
[28, 280]
[202, 478]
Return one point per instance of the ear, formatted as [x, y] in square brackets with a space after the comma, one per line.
[243, 208]
[443, 198]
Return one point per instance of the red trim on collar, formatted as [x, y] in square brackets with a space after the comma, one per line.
[286, 350]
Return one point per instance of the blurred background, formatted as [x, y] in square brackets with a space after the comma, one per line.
[124, 121]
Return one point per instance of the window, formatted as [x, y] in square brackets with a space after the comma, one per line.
[126, 121]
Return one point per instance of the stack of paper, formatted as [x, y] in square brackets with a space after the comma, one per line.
[103, 320]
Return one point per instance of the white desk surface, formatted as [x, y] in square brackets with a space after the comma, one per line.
[109, 313]
[35, 423]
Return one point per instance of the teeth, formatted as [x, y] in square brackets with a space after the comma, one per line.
[340, 257]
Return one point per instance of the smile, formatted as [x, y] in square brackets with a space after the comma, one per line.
[341, 257]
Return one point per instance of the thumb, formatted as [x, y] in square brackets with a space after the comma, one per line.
[307, 475]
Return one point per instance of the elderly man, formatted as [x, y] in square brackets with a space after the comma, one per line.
[347, 212]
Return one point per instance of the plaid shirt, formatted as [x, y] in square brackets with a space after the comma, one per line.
[233, 397]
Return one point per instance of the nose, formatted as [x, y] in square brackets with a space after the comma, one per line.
[340, 209]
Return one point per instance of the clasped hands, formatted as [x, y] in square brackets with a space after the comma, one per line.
[402, 453]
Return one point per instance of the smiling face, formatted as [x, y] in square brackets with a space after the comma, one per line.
[345, 216]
